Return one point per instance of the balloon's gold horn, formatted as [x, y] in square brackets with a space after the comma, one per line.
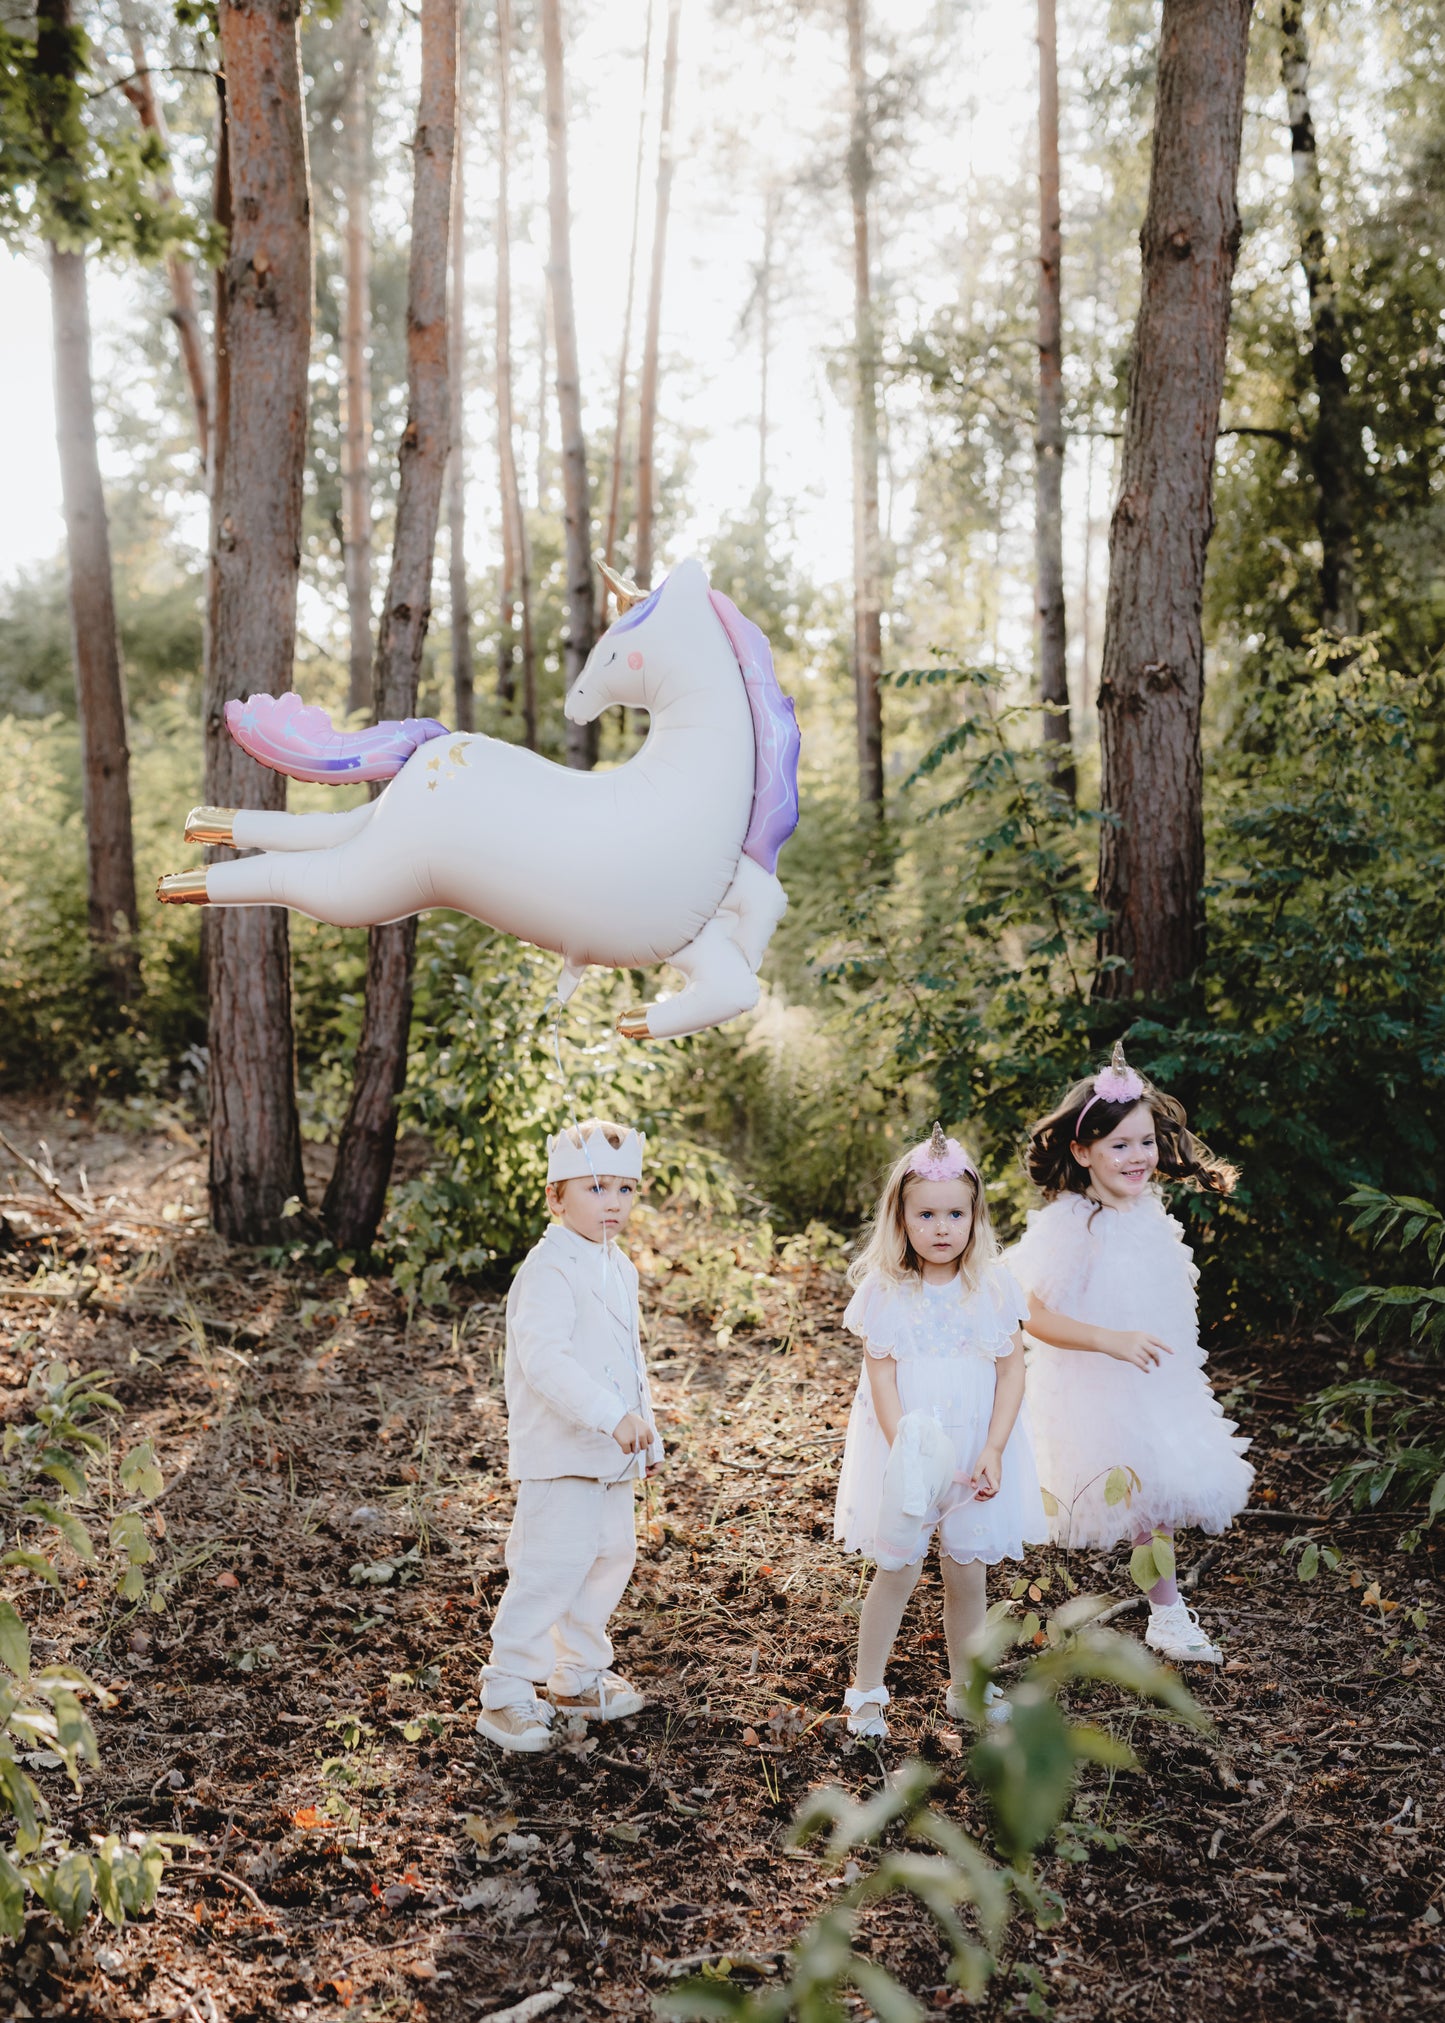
[182, 888]
[625, 592]
[209, 825]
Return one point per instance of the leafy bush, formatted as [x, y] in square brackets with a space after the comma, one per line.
[1027, 1768]
[1399, 1431]
[43, 1710]
[1310, 1047]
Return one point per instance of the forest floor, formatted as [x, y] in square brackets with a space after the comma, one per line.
[335, 1511]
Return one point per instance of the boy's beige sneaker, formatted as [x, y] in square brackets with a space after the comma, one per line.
[527, 1727]
[609, 1698]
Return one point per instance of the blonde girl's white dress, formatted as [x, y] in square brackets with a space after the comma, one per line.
[946, 1341]
[1124, 1268]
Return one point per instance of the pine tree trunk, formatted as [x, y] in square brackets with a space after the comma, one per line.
[140, 90]
[95, 640]
[1052, 643]
[1335, 438]
[356, 363]
[619, 431]
[517, 573]
[263, 338]
[1151, 856]
[463, 679]
[576, 504]
[356, 1195]
[867, 544]
[647, 387]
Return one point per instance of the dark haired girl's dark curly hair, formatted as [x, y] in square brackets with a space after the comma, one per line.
[1051, 1165]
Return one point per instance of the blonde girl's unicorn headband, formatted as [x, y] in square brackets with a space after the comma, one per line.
[941, 1159]
[1118, 1083]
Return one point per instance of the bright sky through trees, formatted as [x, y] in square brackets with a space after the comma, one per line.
[736, 113]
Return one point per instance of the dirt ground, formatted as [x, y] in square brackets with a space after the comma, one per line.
[335, 1510]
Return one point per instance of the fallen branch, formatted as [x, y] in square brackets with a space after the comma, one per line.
[1199, 1930]
[51, 1187]
[532, 2005]
[1275, 1819]
[221, 1875]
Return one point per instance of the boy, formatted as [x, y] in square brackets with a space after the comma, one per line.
[579, 1434]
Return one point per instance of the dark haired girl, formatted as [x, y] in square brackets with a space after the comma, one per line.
[1131, 1443]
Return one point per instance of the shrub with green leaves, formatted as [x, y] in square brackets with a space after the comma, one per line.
[1397, 1430]
[1026, 1767]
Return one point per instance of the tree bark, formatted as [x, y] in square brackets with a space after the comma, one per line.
[1334, 448]
[1151, 856]
[263, 338]
[619, 431]
[463, 679]
[356, 362]
[140, 91]
[1052, 641]
[652, 339]
[867, 542]
[516, 563]
[95, 640]
[356, 1195]
[576, 505]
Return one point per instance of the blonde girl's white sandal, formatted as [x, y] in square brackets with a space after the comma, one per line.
[865, 1712]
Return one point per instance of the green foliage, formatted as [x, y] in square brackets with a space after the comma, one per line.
[43, 1720]
[490, 1078]
[1027, 1768]
[1397, 1430]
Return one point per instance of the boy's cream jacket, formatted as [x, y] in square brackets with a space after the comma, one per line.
[574, 1361]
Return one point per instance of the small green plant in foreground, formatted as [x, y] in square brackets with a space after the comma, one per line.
[1026, 1767]
[43, 1720]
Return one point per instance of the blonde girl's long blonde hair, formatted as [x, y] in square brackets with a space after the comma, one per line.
[886, 1249]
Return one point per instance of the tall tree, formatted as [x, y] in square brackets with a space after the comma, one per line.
[356, 1194]
[1334, 443]
[356, 357]
[867, 537]
[619, 429]
[262, 340]
[460, 607]
[1052, 643]
[1151, 856]
[576, 504]
[139, 89]
[651, 343]
[42, 123]
[516, 613]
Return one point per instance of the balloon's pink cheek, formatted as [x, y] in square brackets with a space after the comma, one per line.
[634, 661]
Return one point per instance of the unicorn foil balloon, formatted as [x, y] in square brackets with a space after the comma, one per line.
[670, 858]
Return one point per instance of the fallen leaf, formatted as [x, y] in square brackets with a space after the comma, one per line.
[309, 1819]
[227, 1580]
[750, 1738]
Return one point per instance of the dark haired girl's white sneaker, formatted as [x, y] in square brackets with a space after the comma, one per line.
[1174, 1632]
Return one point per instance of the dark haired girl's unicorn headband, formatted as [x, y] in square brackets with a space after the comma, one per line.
[941, 1159]
[1118, 1083]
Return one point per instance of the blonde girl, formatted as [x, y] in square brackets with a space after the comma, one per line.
[938, 1316]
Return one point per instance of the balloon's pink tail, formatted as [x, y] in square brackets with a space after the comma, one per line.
[298, 739]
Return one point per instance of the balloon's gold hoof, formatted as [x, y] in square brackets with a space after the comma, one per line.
[633, 1023]
[209, 825]
[182, 888]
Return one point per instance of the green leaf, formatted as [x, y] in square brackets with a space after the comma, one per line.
[36, 1562]
[69, 1889]
[890, 2002]
[1309, 1562]
[1027, 1769]
[64, 1471]
[1096, 1745]
[128, 1535]
[1116, 1487]
[14, 1642]
[1143, 1567]
[1437, 1497]
[12, 1898]
[139, 1473]
[67, 1524]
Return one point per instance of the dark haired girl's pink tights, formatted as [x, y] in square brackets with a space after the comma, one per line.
[1164, 1591]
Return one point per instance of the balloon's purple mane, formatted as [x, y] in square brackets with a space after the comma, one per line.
[299, 739]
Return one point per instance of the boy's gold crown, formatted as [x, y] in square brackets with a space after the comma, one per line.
[594, 1156]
